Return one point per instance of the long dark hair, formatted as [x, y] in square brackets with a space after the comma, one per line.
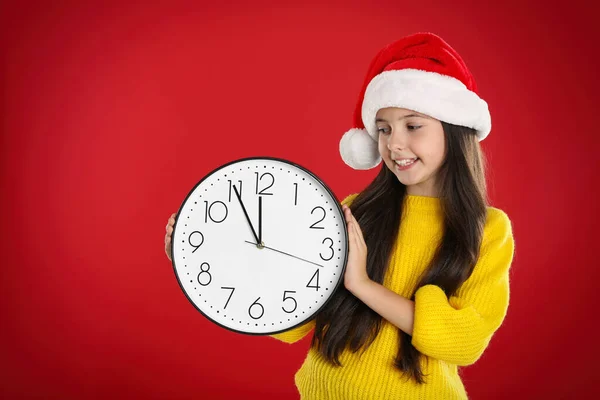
[346, 322]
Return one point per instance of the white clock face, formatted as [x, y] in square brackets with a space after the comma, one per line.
[271, 287]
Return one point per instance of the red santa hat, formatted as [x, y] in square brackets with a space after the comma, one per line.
[419, 72]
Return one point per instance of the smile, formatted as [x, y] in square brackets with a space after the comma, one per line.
[406, 164]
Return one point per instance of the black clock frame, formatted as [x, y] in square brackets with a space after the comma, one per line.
[345, 254]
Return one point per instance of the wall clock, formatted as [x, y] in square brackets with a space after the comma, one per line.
[260, 245]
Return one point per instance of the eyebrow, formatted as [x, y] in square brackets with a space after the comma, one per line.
[406, 116]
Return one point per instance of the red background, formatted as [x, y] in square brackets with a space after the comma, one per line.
[112, 113]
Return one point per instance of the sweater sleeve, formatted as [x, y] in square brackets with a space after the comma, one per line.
[458, 330]
[349, 199]
[294, 335]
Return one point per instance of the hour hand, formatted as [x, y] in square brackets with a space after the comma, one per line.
[246, 214]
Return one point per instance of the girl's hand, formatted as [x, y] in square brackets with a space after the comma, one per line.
[169, 228]
[356, 269]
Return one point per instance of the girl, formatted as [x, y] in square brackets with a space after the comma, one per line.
[427, 280]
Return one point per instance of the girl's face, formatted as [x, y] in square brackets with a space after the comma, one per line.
[406, 134]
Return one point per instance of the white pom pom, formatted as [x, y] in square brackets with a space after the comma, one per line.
[359, 150]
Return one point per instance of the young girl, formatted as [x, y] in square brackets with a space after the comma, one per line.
[427, 280]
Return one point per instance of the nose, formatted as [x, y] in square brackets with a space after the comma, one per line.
[397, 141]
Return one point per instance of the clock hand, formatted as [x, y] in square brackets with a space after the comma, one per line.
[246, 214]
[287, 254]
[260, 220]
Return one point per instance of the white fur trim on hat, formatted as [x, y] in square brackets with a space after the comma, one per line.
[439, 96]
[359, 150]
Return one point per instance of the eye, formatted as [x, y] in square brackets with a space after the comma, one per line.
[383, 130]
[413, 127]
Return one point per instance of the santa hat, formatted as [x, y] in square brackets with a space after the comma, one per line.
[420, 72]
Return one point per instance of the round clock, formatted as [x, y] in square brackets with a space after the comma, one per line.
[260, 245]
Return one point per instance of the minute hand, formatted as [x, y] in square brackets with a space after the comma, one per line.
[287, 254]
[260, 219]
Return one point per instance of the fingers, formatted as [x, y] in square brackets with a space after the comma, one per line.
[358, 239]
[168, 246]
[348, 215]
[169, 229]
[353, 236]
[350, 222]
[358, 230]
[170, 224]
[354, 231]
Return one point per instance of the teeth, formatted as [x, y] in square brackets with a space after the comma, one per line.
[406, 162]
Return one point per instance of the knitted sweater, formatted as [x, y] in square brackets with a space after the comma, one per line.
[449, 332]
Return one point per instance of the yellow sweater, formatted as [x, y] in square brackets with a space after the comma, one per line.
[449, 332]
